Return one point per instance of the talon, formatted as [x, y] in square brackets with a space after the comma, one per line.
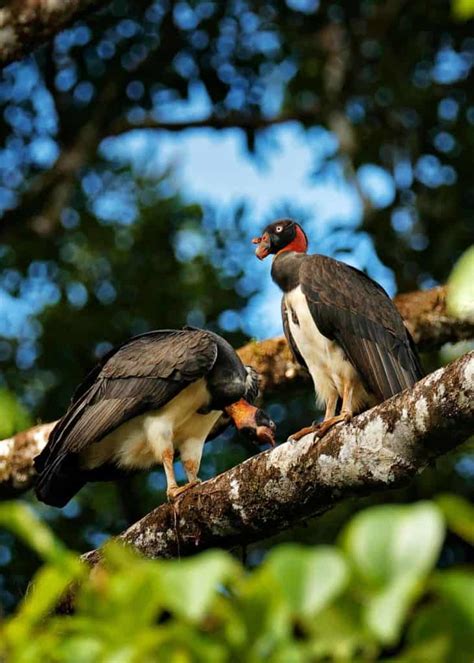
[176, 491]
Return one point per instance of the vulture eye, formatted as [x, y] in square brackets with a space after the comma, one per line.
[279, 229]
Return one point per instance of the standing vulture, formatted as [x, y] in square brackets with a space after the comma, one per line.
[157, 393]
[340, 325]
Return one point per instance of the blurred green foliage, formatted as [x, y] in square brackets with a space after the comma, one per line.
[463, 9]
[14, 417]
[374, 596]
[460, 301]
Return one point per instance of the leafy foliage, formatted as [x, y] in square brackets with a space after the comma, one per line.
[376, 596]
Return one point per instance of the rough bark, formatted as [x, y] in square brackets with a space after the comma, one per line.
[16, 458]
[25, 24]
[380, 449]
[424, 312]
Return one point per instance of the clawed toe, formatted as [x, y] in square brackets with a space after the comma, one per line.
[176, 491]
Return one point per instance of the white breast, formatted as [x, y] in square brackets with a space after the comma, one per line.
[325, 360]
[138, 443]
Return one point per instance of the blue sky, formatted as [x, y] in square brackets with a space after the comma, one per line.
[214, 168]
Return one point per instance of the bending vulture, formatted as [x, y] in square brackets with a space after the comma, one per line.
[157, 393]
[340, 325]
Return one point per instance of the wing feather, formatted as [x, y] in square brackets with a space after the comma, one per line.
[357, 313]
[144, 373]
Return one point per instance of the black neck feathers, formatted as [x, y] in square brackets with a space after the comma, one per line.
[286, 269]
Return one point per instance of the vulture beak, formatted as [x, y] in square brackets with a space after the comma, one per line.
[252, 422]
[264, 246]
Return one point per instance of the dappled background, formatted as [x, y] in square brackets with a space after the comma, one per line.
[143, 148]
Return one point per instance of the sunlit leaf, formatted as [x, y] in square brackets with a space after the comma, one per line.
[309, 578]
[393, 548]
[463, 9]
[188, 586]
[460, 298]
[13, 416]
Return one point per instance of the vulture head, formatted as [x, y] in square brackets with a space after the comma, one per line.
[282, 235]
[251, 421]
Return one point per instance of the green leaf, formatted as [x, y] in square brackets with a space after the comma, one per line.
[463, 9]
[442, 619]
[13, 416]
[189, 586]
[47, 588]
[339, 634]
[457, 587]
[392, 549]
[435, 650]
[460, 297]
[309, 578]
[459, 515]
[20, 519]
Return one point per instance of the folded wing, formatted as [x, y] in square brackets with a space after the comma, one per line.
[357, 313]
[143, 374]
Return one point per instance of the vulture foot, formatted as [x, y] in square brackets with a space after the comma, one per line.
[326, 425]
[320, 429]
[304, 431]
[176, 491]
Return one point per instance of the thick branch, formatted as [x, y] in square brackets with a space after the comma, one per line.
[424, 312]
[25, 24]
[16, 458]
[380, 449]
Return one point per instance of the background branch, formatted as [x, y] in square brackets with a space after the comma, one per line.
[24, 24]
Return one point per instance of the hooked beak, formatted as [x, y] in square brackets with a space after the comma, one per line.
[266, 434]
[252, 422]
[264, 246]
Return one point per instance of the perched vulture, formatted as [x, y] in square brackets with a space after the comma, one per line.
[157, 393]
[340, 325]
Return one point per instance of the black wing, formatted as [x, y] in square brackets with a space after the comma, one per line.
[142, 374]
[289, 338]
[357, 313]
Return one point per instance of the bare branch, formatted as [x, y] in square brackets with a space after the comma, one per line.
[424, 312]
[380, 449]
[25, 24]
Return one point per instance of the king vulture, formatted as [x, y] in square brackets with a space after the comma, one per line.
[157, 393]
[340, 325]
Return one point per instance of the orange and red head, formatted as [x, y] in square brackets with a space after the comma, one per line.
[282, 235]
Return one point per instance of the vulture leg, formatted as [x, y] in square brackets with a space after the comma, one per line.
[167, 458]
[330, 418]
[191, 452]
[345, 415]
[315, 427]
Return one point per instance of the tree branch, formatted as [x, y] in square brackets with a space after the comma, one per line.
[380, 449]
[16, 458]
[25, 24]
[424, 312]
